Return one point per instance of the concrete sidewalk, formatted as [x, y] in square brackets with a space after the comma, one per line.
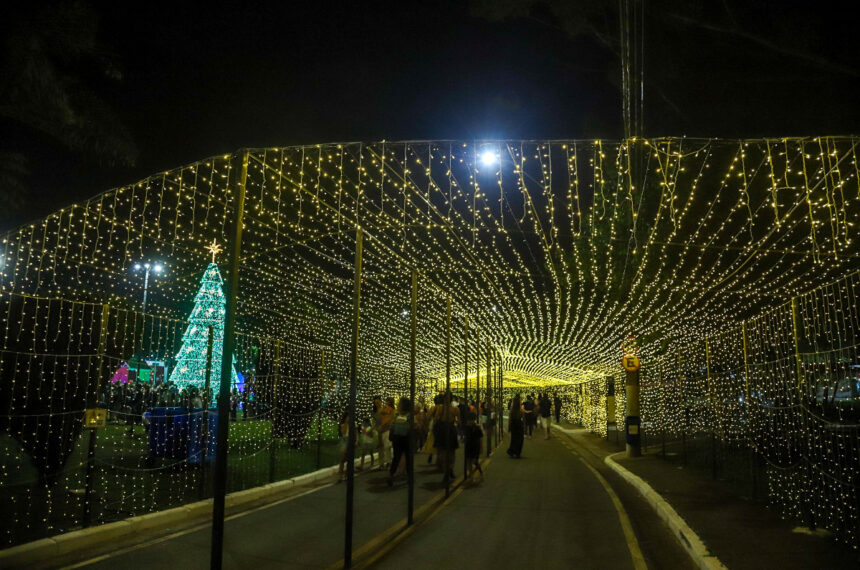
[742, 534]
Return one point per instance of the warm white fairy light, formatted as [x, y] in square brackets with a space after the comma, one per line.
[555, 251]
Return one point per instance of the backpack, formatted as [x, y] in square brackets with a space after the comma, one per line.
[400, 426]
[368, 436]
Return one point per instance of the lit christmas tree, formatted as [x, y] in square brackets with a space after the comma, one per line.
[209, 310]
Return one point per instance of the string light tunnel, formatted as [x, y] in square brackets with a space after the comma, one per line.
[734, 262]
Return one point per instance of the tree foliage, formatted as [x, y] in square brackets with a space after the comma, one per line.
[52, 69]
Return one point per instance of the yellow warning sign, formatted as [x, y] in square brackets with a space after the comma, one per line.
[631, 362]
[95, 418]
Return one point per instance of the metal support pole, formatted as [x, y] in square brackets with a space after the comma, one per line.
[465, 381]
[353, 380]
[712, 410]
[662, 408]
[795, 327]
[319, 413]
[143, 327]
[448, 344]
[490, 406]
[634, 442]
[448, 468]
[410, 454]
[93, 400]
[746, 367]
[204, 429]
[220, 476]
[751, 448]
[478, 372]
[501, 400]
[796, 331]
[97, 379]
[682, 396]
[90, 476]
[466, 357]
[273, 411]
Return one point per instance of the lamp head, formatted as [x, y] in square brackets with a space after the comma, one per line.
[488, 158]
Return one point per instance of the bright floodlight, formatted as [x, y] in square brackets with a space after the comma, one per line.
[137, 266]
[488, 158]
[157, 268]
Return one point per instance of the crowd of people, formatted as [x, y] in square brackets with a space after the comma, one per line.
[524, 417]
[438, 430]
[130, 402]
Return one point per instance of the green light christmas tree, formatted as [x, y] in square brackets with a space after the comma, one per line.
[209, 310]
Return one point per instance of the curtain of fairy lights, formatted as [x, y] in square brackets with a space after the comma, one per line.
[551, 251]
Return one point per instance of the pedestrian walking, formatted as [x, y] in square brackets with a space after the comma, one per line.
[529, 415]
[400, 438]
[474, 441]
[367, 441]
[234, 404]
[430, 442]
[422, 424]
[446, 417]
[343, 434]
[382, 415]
[545, 409]
[516, 428]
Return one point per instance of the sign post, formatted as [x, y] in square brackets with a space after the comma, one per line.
[94, 418]
[631, 365]
[610, 407]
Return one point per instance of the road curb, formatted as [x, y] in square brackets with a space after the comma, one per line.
[44, 550]
[686, 537]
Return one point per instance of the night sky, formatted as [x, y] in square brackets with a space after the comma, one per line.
[197, 79]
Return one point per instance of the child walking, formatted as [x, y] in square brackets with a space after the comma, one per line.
[474, 436]
[367, 441]
[343, 432]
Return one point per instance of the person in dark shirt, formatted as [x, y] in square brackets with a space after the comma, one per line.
[529, 415]
[474, 435]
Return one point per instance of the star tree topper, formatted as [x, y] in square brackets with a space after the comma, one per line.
[214, 249]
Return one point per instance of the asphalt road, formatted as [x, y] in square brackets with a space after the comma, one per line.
[304, 532]
[547, 510]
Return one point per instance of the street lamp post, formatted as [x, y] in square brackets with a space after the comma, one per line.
[146, 267]
[157, 268]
